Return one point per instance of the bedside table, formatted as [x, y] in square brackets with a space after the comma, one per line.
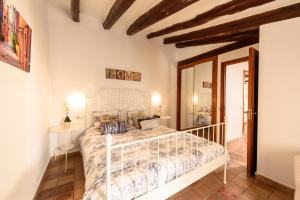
[60, 130]
[163, 120]
[165, 117]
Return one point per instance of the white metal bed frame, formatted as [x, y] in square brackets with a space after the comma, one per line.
[166, 190]
[122, 99]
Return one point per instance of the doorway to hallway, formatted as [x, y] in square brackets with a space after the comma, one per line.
[239, 99]
[235, 109]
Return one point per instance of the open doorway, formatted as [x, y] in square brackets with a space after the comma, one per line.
[239, 99]
[236, 100]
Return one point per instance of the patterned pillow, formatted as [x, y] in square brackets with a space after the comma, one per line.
[134, 116]
[99, 117]
[113, 127]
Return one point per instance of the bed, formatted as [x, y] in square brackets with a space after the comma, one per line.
[147, 164]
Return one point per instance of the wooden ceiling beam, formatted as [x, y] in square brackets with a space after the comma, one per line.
[218, 51]
[229, 8]
[159, 12]
[117, 10]
[244, 24]
[75, 10]
[220, 39]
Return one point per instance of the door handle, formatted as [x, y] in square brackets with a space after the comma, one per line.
[250, 114]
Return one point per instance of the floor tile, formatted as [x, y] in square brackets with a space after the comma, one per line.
[46, 194]
[68, 187]
[279, 195]
[78, 193]
[244, 183]
[230, 191]
[64, 196]
[214, 197]
[51, 183]
[258, 191]
[192, 195]
[79, 183]
[65, 179]
[202, 189]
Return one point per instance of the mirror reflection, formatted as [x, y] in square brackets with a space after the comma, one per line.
[196, 96]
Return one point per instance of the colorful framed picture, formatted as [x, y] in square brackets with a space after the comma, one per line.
[15, 37]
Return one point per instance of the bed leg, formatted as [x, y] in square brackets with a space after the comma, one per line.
[225, 174]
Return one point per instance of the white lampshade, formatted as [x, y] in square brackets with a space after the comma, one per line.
[77, 100]
[156, 99]
[195, 99]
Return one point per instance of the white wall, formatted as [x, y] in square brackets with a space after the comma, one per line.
[235, 99]
[24, 152]
[279, 97]
[80, 52]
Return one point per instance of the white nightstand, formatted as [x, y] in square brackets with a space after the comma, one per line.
[59, 130]
[163, 120]
[165, 117]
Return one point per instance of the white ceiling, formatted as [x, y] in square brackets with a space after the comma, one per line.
[100, 9]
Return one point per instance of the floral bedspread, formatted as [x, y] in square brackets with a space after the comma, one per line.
[141, 172]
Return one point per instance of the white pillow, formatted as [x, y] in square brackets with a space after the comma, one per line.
[149, 124]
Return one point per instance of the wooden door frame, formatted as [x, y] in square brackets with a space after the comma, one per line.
[223, 83]
[214, 61]
[251, 158]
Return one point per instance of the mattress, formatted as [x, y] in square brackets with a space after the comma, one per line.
[141, 171]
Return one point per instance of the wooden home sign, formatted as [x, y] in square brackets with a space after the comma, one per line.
[123, 75]
[207, 84]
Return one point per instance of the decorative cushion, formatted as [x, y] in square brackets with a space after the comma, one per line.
[149, 124]
[134, 116]
[113, 127]
[99, 117]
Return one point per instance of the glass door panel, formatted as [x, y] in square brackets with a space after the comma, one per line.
[203, 94]
[187, 91]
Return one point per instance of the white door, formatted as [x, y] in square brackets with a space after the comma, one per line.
[234, 99]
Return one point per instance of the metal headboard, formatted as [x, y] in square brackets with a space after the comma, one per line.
[116, 99]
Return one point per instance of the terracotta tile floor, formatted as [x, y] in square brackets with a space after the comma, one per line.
[58, 185]
[239, 187]
[238, 150]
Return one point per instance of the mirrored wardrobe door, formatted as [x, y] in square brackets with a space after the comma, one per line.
[203, 94]
[197, 94]
[187, 91]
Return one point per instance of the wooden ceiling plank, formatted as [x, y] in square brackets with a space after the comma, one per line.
[244, 24]
[159, 12]
[116, 11]
[75, 10]
[218, 51]
[229, 8]
[220, 39]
